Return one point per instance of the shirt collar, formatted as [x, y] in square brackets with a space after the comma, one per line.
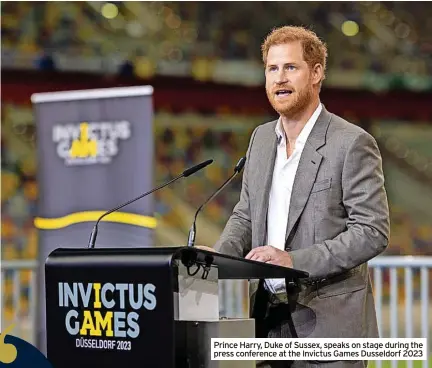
[304, 134]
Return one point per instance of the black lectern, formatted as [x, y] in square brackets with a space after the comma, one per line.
[140, 307]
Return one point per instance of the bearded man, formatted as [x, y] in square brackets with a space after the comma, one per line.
[312, 199]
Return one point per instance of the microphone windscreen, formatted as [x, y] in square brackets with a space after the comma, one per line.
[240, 165]
[194, 169]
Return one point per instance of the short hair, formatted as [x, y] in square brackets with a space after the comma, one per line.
[314, 50]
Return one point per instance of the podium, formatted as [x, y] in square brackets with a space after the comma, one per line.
[143, 307]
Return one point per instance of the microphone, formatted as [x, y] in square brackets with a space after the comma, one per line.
[186, 173]
[192, 231]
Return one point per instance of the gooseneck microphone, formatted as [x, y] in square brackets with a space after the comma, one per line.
[186, 173]
[192, 231]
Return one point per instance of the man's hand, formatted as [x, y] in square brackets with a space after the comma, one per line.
[203, 247]
[270, 254]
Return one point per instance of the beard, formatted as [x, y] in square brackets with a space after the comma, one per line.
[295, 104]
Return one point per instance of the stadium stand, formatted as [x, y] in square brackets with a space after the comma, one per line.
[388, 43]
[215, 41]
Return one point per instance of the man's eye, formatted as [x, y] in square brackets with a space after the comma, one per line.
[272, 68]
[291, 67]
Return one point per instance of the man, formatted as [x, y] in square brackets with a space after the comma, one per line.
[313, 199]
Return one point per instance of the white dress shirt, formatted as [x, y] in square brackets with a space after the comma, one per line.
[280, 192]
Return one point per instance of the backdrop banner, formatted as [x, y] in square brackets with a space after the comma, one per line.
[95, 151]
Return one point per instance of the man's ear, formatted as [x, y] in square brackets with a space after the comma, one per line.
[317, 73]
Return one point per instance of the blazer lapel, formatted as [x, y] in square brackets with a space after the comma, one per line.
[266, 166]
[307, 170]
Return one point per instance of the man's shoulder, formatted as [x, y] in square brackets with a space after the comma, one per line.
[266, 128]
[342, 130]
[268, 125]
[338, 125]
[339, 129]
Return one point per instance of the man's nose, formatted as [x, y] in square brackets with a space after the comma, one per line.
[281, 77]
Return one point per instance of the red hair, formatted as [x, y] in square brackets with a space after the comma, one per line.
[314, 50]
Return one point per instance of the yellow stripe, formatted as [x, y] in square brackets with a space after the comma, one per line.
[78, 217]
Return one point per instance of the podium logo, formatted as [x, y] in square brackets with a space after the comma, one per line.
[89, 143]
[108, 310]
[17, 353]
[8, 352]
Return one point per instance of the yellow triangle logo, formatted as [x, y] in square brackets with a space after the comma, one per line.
[84, 146]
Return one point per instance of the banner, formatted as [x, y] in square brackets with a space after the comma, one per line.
[94, 151]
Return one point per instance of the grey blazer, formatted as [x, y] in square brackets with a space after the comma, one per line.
[338, 220]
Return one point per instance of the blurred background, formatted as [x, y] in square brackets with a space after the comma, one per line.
[203, 60]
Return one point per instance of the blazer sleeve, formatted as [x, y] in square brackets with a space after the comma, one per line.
[236, 238]
[368, 225]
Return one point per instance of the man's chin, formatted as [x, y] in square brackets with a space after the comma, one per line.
[284, 109]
